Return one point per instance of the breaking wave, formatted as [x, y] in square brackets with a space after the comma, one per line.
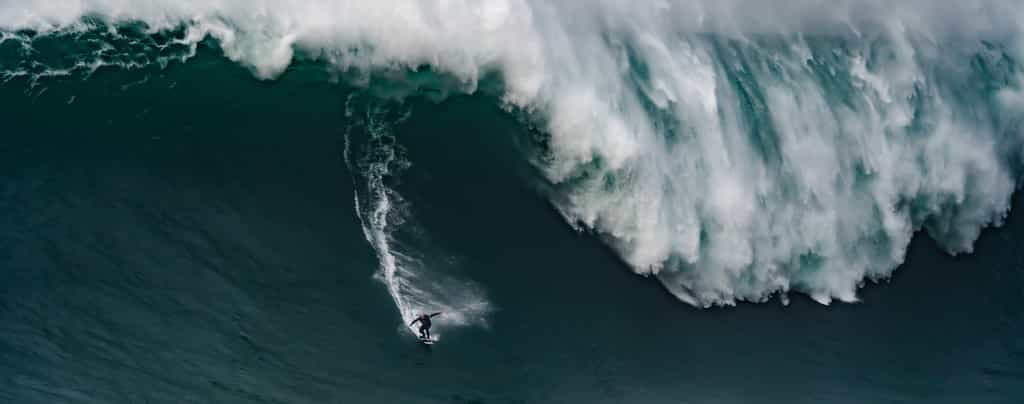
[735, 151]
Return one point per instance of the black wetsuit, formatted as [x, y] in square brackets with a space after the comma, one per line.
[424, 321]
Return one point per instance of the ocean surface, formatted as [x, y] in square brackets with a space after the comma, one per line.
[610, 202]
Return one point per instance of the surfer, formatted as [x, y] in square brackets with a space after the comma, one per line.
[424, 320]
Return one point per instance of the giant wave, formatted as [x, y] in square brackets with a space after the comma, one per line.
[735, 151]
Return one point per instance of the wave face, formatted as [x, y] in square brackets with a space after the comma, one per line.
[734, 151]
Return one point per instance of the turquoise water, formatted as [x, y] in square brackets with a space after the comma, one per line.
[176, 227]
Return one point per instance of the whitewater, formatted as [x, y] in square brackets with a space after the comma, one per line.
[734, 151]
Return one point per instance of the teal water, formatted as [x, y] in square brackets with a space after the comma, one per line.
[189, 233]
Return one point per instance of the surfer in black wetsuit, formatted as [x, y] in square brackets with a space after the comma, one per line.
[424, 320]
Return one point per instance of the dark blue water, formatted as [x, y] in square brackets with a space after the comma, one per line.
[189, 234]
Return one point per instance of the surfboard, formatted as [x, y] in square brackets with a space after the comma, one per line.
[427, 341]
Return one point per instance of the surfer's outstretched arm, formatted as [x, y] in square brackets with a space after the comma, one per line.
[435, 314]
[414, 322]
